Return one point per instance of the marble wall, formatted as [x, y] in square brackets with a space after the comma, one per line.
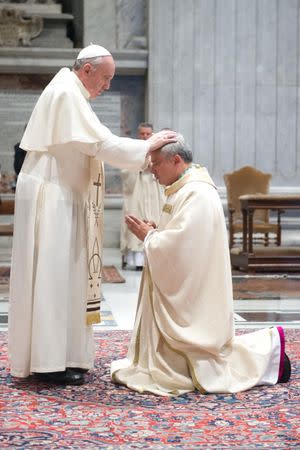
[132, 111]
[226, 74]
[18, 94]
[115, 24]
[223, 72]
[121, 109]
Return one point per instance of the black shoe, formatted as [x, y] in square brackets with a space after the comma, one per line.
[78, 369]
[286, 374]
[66, 377]
[139, 268]
[47, 377]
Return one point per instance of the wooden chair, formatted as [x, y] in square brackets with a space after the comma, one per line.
[7, 208]
[249, 180]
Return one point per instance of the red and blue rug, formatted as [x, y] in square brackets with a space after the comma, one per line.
[101, 415]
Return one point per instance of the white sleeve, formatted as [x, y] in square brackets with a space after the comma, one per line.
[122, 152]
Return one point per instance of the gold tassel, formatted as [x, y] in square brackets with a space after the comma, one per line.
[93, 317]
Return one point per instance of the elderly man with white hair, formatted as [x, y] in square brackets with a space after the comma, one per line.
[183, 337]
[56, 260]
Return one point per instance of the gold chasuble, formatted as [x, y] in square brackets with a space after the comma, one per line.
[183, 337]
[94, 212]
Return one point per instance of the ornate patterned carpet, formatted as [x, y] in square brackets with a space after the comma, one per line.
[100, 415]
[109, 273]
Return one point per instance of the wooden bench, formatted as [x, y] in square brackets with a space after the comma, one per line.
[267, 259]
[251, 257]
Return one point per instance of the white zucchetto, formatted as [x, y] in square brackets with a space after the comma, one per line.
[93, 51]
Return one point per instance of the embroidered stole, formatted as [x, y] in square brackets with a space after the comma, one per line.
[94, 219]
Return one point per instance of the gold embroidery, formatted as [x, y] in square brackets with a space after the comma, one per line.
[138, 334]
[198, 174]
[167, 208]
[179, 352]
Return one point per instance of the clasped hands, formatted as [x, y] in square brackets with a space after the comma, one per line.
[139, 227]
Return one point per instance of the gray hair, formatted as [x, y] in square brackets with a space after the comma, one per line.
[145, 125]
[95, 61]
[178, 148]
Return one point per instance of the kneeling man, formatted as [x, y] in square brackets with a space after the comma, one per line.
[184, 338]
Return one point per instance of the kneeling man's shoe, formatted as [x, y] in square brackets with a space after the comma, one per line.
[286, 374]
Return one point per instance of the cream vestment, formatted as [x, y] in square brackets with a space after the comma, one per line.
[183, 337]
[52, 269]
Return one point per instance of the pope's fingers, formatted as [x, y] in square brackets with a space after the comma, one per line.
[162, 138]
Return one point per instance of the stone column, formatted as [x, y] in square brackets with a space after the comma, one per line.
[99, 23]
[115, 24]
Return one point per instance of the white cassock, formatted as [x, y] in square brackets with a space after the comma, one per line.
[48, 292]
[183, 337]
[145, 201]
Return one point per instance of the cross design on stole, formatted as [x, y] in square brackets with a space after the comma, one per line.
[98, 184]
[96, 207]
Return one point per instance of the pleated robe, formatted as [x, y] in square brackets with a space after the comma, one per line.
[184, 337]
[128, 181]
[48, 290]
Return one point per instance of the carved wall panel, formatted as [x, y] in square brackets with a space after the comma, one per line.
[16, 30]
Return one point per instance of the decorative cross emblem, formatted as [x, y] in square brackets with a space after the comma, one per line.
[98, 184]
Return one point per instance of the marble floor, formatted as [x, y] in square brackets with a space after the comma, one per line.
[121, 299]
[249, 313]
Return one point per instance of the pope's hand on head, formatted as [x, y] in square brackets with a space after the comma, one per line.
[158, 140]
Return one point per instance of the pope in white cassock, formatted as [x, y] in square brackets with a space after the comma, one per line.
[183, 337]
[56, 260]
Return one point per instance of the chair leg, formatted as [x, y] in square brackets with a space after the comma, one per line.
[266, 240]
[278, 240]
[230, 240]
